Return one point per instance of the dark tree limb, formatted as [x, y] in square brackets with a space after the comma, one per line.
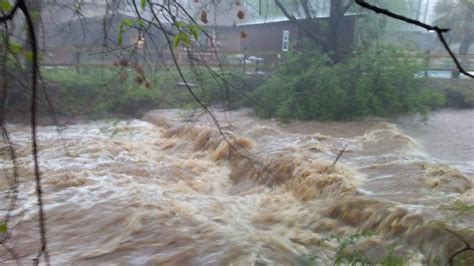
[33, 109]
[284, 11]
[439, 31]
[305, 5]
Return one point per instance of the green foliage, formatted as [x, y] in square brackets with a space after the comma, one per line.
[357, 257]
[464, 208]
[127, 91]
[181, 37]
[461, 208]
[143, 4]
[3, 228]
[15, 48]
[5, 6]
[126, 25]
[185, 33]
[392, 259]
[379, 82]
[91, 92]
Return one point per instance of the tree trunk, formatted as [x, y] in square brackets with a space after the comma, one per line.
[334, 42]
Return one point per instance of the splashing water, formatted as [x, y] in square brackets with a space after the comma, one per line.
[173, 192]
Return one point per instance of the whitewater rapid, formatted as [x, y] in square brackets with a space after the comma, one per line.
[167, 191]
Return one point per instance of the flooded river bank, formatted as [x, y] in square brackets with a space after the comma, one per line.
[165, 190]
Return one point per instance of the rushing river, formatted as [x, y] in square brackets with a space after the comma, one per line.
[165, 191]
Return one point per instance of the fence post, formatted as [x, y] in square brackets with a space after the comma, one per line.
[78, 61]
[244, 69]
[427, 62]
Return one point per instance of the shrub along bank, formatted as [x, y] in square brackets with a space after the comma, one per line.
[378, 82]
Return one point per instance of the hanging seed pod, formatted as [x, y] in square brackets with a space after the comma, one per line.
[240, 14]
[123, 62]
[123, 75]
[243, 34]
[138, 80]
[147, 84]
[204, 17]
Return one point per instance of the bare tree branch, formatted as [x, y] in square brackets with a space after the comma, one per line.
[34, 85]
[307, 12]
[293, 19]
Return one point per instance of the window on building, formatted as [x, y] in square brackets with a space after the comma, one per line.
[285, 44]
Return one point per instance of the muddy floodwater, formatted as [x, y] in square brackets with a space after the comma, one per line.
[169, 190]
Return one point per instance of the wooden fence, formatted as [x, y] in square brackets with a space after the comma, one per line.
[248, 61]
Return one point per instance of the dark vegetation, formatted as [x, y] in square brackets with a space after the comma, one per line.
[378, 82]
[381, 81]
[305, 85]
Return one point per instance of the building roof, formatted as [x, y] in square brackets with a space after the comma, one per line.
[264, 20]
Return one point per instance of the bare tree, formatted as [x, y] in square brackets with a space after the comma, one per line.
[332, 41]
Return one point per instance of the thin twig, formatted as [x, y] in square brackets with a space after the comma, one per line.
[338, 157]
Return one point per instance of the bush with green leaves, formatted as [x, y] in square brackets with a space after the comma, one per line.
[378, 82]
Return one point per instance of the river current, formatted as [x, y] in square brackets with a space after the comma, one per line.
[170, 190]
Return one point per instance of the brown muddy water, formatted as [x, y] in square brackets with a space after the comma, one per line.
[166, 191]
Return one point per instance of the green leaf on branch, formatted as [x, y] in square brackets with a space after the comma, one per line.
[143, 4]
[15, 48]
[179, 24]
[122, 29]
[181, 37]
[127, 22]
[3, 228]
[125, 25]
[195, 30]
[5, 6]
[29, 56]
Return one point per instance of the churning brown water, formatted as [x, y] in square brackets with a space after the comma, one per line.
[165, 191]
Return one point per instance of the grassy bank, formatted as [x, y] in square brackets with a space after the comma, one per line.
[132, 91]
[302, 87]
